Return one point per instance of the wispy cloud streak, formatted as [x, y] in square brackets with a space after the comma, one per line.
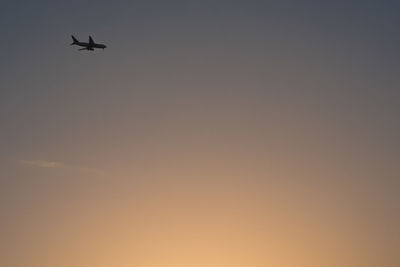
[44, 164]
[59, 165]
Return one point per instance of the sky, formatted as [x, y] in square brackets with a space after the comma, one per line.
[208, 133]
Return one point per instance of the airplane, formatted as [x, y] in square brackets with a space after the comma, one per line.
[90, 46]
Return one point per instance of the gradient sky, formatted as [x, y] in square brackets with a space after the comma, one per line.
[208, 133]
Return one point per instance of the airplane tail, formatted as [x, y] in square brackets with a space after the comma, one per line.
[75, 41]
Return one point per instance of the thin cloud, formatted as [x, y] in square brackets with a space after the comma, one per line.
[44, 164]
[59, 165]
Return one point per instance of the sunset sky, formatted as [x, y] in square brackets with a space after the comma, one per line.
[207, 134]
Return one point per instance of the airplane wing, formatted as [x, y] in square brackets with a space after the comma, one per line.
[91, 42]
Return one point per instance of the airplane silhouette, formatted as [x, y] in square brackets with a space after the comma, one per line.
[90, 46]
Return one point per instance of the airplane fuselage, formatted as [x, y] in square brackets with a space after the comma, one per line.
[87, 45]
